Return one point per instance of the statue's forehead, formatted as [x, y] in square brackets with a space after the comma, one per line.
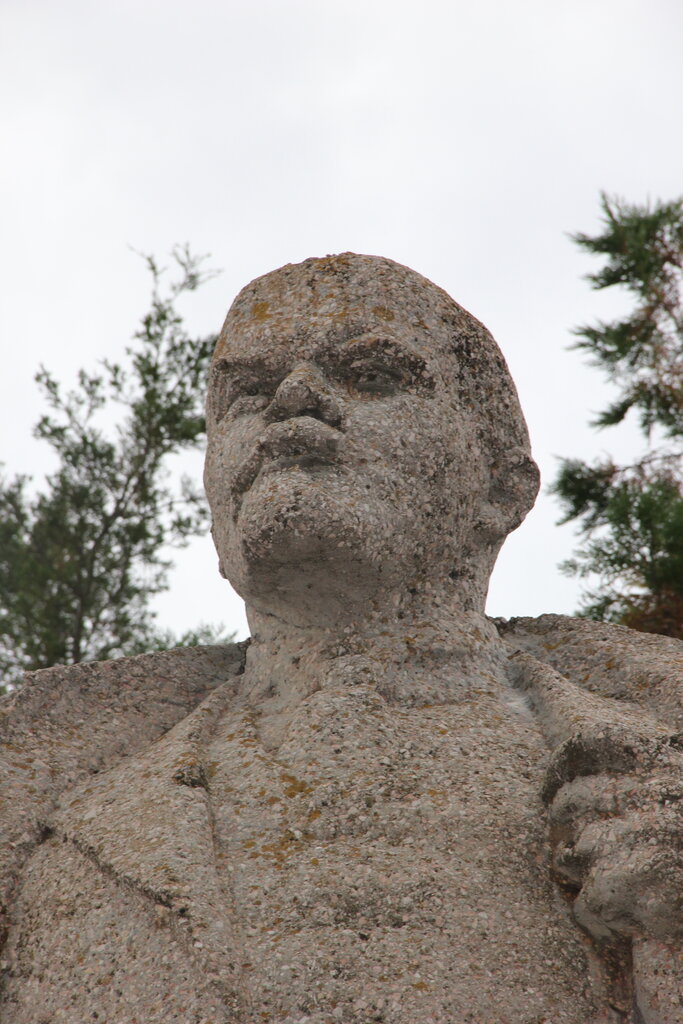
[332, 301]
[282, 336]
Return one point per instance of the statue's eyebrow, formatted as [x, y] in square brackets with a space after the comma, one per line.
[331, 356]
[397, 351]
[238, 364]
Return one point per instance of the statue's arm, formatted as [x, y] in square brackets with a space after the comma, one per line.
[609, 703]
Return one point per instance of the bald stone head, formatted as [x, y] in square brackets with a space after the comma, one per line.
[365, 438]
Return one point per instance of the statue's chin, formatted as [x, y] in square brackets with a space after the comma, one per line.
[304, 551]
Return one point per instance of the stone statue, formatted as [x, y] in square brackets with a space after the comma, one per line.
[384, 807]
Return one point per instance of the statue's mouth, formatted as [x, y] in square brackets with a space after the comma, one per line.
[304, 442]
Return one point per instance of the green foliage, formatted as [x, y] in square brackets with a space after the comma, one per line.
[631, 518]
[642, 354]
[80, 560]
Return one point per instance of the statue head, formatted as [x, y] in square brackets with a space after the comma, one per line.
[365, 440]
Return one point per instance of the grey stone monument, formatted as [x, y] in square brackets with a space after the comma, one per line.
[384, 807]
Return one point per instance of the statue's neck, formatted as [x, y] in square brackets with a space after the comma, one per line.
[431, 654]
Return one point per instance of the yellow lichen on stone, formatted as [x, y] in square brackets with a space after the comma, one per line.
[294, 786]
[260, 311]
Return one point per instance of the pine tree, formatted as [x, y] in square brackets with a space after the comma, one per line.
[630, 517]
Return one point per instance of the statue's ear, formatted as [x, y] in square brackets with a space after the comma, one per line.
[514, 484]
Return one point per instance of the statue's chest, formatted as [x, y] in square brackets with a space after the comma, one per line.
[355, 770]
[390, 851]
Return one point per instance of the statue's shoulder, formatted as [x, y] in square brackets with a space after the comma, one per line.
[69, 720]
[610, 660]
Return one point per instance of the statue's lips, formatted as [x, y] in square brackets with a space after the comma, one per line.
[302, 441]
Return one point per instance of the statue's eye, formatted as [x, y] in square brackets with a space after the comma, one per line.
[248, 402]
[234, 394]
[249, 396]
[376, 378]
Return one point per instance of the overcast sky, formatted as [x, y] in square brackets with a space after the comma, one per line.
[463, 139]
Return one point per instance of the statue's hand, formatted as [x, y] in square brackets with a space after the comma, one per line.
[616, 820]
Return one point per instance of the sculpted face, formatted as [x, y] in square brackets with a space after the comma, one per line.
[346, 461]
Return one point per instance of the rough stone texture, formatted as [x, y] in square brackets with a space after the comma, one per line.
[67, 724]
[364, 424]
[390, 810]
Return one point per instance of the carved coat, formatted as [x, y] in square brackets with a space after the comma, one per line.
[161, 863]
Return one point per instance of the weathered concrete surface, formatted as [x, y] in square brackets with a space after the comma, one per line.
[614, 787]
[384, 861]
[390, 810]
[363, 428]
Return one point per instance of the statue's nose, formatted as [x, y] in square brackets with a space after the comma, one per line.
[305, 392]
